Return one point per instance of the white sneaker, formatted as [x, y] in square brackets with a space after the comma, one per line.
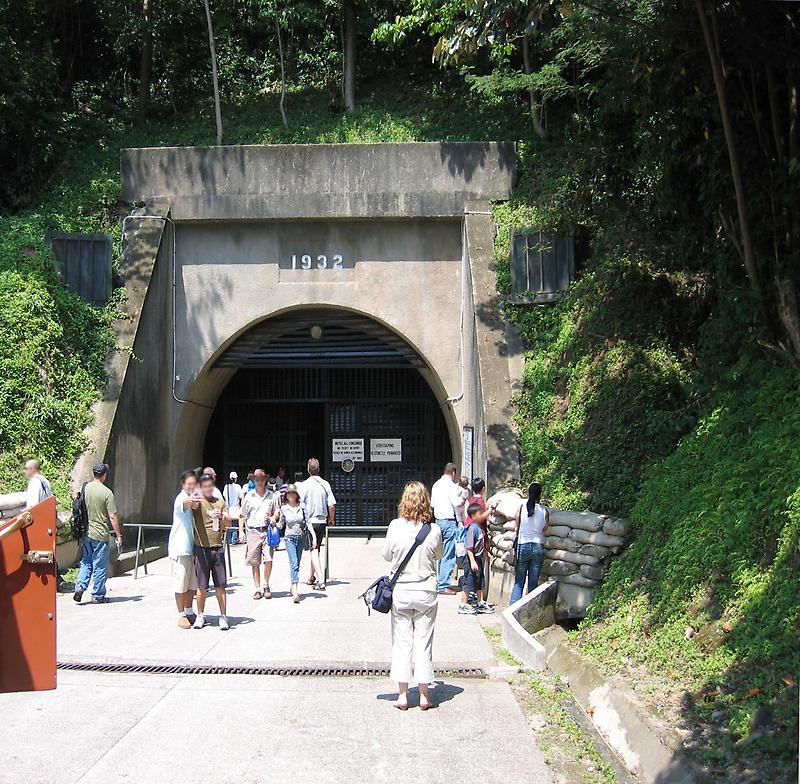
[223, 623]
[199, 622]
[483, 608]
[466, 609]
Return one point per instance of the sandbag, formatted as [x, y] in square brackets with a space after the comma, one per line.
[592, 572]
[585, 521]
[616, 526]
[511, 525]
[596, 537]
[570, 557]
[12, 501]
[506, 503]
[557, 543]
[509, 558]
[601, 553]
[578, 579]
[504, 544]
[561, 531]
[558, 568]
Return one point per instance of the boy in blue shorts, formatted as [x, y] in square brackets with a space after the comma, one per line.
[473, 572]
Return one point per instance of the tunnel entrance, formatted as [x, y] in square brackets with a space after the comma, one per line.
[327, 384]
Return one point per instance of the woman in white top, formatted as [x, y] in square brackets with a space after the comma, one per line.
[533, 519]
[414, 600]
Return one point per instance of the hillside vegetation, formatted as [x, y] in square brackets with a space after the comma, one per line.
[663, 385]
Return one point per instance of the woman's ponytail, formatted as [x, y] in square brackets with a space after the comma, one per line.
[534, 496]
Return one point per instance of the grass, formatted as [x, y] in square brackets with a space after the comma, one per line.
[550, 709]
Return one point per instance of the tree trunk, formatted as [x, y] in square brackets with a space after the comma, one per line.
[715, 59]
[146, 64]
[283, 73]
[536, 109]
[349, 75]
[214, 75]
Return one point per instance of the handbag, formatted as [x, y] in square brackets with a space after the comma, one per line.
[273, 535]
[379, 595]
[308, 542]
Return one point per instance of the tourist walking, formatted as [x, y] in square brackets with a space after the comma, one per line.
[259, 509]
[38, 487]
[414, 598]
[445, 498]
[180, 548]
[101, 511]
[211, 519]
[533, 519]
[233, 495]
[294, 522]
[320, 506]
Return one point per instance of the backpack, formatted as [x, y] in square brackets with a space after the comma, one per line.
[461, 544]
[79, 522]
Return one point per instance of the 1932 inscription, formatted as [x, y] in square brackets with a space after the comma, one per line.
[307, 261]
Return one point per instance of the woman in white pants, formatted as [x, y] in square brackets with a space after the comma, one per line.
[415, 595]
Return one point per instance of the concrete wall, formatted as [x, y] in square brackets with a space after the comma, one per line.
[240, 214]
[257, 182]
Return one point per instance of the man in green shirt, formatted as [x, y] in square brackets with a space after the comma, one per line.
[102, 513]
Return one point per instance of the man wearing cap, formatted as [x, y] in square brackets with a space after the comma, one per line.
[102, 512]
[232, 495]
[259, 508]
[209, 471]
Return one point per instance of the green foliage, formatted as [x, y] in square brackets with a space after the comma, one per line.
[717, 525]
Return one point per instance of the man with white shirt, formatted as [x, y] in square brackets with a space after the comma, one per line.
[38, 487]
[445, 500]
[320, 504]
[181, 548]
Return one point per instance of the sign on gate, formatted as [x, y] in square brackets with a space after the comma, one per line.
[348, 447]
[385, 450]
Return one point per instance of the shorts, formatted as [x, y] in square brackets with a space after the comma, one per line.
[183, 574]
[319, 531]
[210, 562]
[473, 582]
[257, 550]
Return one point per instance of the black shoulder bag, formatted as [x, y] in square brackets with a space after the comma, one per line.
[379, 595]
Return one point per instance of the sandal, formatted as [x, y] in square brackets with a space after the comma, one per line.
[312, 580]
[257, 595]
[321, 586]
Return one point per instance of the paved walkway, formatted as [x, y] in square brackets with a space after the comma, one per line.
[108, 727]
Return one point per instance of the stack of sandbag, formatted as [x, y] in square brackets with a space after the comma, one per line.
[11, 504]
[578, 545]
[502, 525]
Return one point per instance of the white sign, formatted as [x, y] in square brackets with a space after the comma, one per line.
[348, 447]
[468, 447]
[385, 450]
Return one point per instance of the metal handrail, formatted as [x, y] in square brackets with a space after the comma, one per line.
[22, 520]
[140, 546]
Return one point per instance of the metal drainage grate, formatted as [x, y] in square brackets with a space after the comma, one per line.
[288, 671]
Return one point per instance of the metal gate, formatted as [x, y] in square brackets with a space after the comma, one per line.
[269, 417]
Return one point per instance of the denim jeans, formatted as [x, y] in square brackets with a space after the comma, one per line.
[94, 564]
[294, 549]
[529, 563]
[448, 562]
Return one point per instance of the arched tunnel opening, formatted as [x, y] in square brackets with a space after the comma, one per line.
[328, 384]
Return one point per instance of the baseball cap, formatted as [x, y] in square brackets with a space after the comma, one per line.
[233, 475]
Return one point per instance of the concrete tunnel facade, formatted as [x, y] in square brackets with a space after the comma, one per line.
[237, 259]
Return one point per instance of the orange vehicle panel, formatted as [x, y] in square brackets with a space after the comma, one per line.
[28, 605]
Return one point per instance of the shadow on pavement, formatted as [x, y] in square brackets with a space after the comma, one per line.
[443, 692]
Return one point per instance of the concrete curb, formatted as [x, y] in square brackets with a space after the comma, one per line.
[523, 619]
[646, 746]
